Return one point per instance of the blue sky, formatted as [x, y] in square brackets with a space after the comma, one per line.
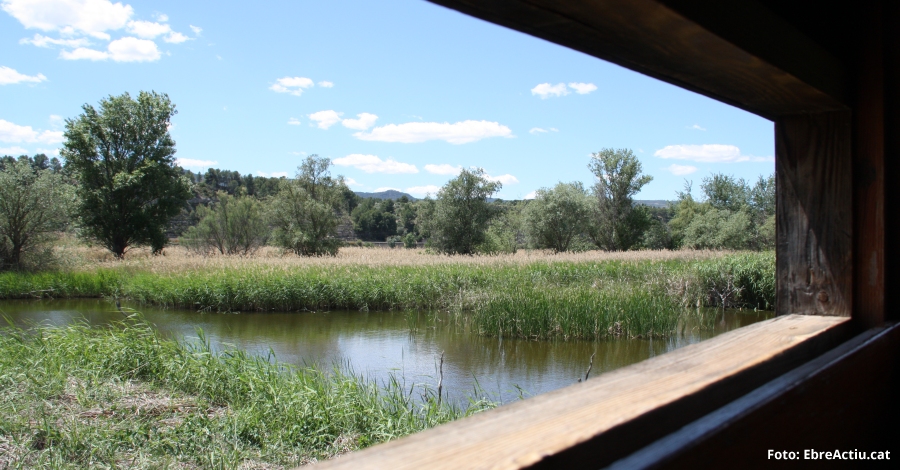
[399, 94]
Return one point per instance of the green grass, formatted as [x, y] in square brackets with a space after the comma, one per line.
[121, 396]
[543, 299]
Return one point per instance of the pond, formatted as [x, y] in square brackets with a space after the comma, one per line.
[407, 344]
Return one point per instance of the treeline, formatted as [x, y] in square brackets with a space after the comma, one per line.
[120, 188]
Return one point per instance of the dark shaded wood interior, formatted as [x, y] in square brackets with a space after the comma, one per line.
[828, 75]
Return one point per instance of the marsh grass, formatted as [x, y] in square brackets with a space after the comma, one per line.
[121, 396]
[528, 294]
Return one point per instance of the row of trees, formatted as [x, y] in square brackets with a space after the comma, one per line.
[120, 188]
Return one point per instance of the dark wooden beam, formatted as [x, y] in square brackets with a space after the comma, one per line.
[773, 73]
[758, 30]
[891, 209]
[814, 218]
[869, 172]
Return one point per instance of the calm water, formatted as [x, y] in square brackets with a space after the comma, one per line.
[379, 343]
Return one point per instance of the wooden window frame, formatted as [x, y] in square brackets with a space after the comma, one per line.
[824, 372]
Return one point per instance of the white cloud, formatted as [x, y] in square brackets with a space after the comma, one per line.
[546, 90]
[83, 53]
[537, 130]
[127, 49]
[423, 190]
[385, 188]
[292, 85]
[708, 153]
[14, 133]
[506, 179]
[131, 49]
[196, 29]
[583, 88]
[457, 133]
[443, 169]
[697, 127]
[680, 170]
[13, 151]
[326, 119]
[326, 84]
[365, 121]
[373, 164]
[351, 182]
[40, 40]
[162, 17]
[191, 163]
[531, 195]
[54, 152]
[175, 38]
[90, 17]
[274, 174]
[294, 121]
[147, 29]
[9, 76]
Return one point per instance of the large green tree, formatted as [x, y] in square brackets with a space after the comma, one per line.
[557, 216]
[616, 225]
[462, 213]
[123, 158]
[307, 210]
[731, 215]
[34, 204]
[374, 219]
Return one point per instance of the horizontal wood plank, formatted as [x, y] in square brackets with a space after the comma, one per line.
[845, 399]
[840, 400]
[599, 421]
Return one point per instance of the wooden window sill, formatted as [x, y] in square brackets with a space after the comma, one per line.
[616, 413]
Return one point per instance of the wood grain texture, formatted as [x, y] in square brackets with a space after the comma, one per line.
[599, 421]
[653, 39]
[693, 438]
[844, 400]
[868, 175]
[814, 218]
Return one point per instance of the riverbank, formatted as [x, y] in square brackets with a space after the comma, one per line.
[530, 295]
[79, 397]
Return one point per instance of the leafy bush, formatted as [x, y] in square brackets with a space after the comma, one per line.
[234, 226]
[34, 204]
[409, 240]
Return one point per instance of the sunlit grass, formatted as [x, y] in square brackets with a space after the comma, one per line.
[528, 294]
[121, 396]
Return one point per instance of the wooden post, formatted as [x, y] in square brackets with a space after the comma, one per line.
[890, 19]
[868, 174]
[814, 214]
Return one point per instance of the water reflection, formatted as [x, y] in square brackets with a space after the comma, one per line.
[407, 344]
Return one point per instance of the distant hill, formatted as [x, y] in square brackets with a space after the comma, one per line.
[389, 194]
[394, 194]
[653, 203]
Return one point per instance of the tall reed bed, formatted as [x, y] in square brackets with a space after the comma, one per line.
[586, 297]
[91, 397]
[577, 312]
